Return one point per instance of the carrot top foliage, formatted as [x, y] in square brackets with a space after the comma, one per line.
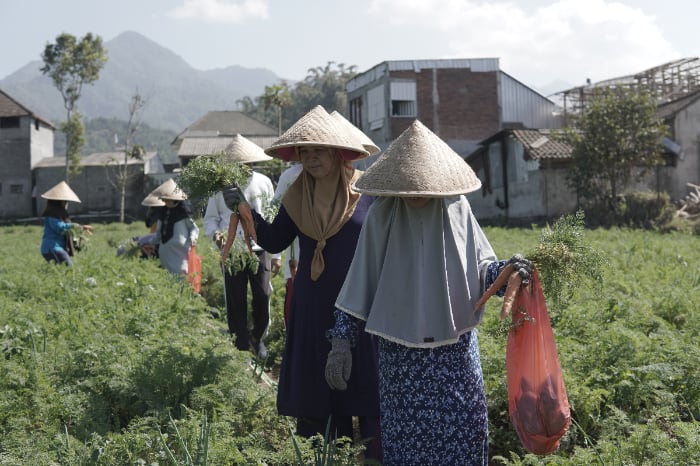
[97, 361]
[564, 258]
[207, 175]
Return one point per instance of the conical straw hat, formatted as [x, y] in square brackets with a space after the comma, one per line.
[245, 151]
[418, 164]
[170, 190]
[164, 187]
[61, 192]
[152, 201]
[356, 133]
[316, 128]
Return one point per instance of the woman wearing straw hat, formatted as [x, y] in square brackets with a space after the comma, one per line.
[419, 268]
[322, 210]
[57, 225]
[155, 207]
[176, 232]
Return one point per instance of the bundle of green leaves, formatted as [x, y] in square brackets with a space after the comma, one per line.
[240, 259]
[208, 174]
[563, 259]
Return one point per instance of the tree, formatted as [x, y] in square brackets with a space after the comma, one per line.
[278, 96]
[616, 139]
[131, 150]
[71, 64]
[323, 85]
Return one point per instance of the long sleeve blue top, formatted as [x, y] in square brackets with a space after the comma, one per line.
[54, 238]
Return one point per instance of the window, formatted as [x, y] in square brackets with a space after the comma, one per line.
[16, 188]
[356, 112]
[403, 99]
[9, 122]
[405, 108]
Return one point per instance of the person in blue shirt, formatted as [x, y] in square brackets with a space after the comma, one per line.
[57, 224]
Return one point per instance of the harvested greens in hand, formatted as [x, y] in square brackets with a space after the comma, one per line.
[208, 174]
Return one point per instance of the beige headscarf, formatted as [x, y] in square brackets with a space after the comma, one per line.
[320, 207]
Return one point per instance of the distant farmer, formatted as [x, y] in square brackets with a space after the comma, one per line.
[176, 232]
[57, 240]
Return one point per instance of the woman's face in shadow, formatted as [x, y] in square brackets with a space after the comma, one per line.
[417, 202]
[319, 162]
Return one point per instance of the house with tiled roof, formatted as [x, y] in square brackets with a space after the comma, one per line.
[26, 138]
[523, 176]
[212, 133]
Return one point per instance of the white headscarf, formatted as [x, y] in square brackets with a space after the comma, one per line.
[417, 272]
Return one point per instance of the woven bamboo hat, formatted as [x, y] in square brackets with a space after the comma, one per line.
[316, 128]
[170, 190]
[152, 201]
[418, 164]
[61, 192]
[166, 186]
[245, 151]
[356, 133]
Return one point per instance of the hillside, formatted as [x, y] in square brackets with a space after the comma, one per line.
[177, 93]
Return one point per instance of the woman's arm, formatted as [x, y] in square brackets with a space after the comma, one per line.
[273, 237]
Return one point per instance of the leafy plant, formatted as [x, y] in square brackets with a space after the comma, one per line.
[326, 451]
[240, 259]
[206, 175]
[202, 456]
[563, 258]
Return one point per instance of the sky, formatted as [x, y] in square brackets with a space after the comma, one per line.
[538, 42]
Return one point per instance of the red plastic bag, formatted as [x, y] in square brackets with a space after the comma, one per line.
[194, 270]
[537, 400]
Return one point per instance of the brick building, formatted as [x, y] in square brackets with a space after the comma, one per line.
[463, 101]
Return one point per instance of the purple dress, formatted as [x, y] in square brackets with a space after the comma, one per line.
[303, 391]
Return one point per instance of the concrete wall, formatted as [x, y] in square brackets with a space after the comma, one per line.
[96, 192]
[686, 132]
[20, 148]
[534, 191]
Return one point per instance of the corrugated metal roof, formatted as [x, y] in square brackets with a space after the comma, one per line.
[379, 70]
[538, 144]
[228, 123]
[194, 147]
[96, 159]
[669, 109]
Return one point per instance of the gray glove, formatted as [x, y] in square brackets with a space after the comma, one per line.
[523, 266]
[233, 195]
[339, 364]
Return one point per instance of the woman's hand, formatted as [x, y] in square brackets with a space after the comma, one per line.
[87, 228]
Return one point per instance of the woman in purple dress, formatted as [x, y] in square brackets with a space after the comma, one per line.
[420, 266]
[326, 214]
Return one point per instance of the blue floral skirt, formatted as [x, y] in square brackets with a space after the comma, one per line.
[433, 407]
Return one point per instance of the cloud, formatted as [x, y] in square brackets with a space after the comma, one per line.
[220, 11]
[566, 39]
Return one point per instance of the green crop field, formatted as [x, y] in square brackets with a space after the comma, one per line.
[114, 362]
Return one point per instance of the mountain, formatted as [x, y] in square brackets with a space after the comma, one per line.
[177, 93]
